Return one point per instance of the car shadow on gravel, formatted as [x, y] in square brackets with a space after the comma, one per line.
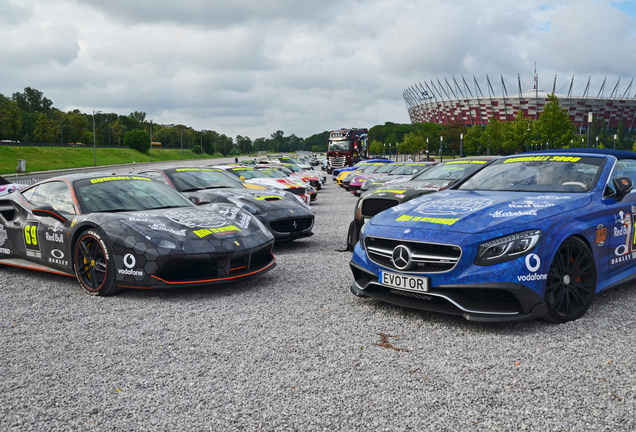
[458, 323]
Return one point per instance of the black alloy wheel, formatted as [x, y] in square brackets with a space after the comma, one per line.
[571, 282]
[93, 264]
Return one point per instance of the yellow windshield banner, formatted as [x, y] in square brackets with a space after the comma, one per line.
[194, 169]
[390, 191]
[543, 158]
[105, 179]
[479, 162]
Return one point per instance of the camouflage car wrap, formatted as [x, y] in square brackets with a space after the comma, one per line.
[107, 251]
[283, 213]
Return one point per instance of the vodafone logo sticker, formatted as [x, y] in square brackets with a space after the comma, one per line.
[533, 262]
[130, 261]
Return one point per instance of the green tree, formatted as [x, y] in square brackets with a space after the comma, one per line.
[79, 123]
[45, 129]
[493, 137]
[10, 120]
[554, 124]
[244, 144]
[519, 134]
[32, 101]
[138, 139]
[473, 140]
[118, 131]
[413, 143]
[376, 148]
[140, 116]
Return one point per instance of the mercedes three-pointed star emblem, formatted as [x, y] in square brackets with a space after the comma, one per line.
[401, 257]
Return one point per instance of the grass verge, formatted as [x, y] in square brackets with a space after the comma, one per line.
[52, 158]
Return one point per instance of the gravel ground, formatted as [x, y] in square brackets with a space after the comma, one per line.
[294, 350]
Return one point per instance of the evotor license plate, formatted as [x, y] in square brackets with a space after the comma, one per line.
[405, 282]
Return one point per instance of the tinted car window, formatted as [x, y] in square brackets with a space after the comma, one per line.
[55, 194]
[624, 168]
[125, 193]
[537, 174]
[188, 180]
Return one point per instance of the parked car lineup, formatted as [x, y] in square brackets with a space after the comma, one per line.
[533, 235]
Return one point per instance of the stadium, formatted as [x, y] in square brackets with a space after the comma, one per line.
[447, 102]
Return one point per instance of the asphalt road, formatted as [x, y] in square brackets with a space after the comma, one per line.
[294, 350]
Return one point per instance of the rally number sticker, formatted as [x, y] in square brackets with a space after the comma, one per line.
[31, 236]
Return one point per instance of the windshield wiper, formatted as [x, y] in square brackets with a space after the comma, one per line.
[117, 210]
[165, 207]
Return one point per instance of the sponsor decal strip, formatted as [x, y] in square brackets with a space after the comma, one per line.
[223, 230]
[441, 221]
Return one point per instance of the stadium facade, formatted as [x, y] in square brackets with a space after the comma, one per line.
[443, 103]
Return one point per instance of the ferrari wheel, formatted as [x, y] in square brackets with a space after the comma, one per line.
[94, 266]
[571, 282]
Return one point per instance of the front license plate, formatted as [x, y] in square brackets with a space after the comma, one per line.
[405, 282]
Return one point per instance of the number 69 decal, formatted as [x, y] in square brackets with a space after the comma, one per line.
[31, 236]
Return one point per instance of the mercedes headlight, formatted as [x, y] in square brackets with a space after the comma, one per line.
[361, 237]
[507, 248]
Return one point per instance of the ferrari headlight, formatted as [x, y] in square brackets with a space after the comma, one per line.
[507, 248]
[154, 237]
[248, 208]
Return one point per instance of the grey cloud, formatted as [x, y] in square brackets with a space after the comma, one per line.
[253, 67]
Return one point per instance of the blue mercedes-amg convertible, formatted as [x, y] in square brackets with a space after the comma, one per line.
[535, 235]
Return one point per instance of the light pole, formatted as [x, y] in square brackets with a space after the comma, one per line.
[614, 141]
[596, 146]
[441, 144]
[589, 128]
[150, 141]
[203, 131]
[461, 144]
[426, 148]
[94, 142]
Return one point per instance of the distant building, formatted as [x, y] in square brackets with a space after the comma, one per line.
[446, 103]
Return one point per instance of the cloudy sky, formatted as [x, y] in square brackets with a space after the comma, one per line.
[252, 67]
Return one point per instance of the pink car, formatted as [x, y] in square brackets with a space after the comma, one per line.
[7, 188]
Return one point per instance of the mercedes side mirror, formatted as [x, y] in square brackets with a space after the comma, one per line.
[622, 186]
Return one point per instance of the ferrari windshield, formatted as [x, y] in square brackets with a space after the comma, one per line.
[538, 174]
[387, 168]
[451, 170]
[126, 193]
[410, 169]
[339, 145]
[247, 174]
[192, 179]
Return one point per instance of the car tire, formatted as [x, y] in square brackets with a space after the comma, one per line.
[94, 263]
[571, 282]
